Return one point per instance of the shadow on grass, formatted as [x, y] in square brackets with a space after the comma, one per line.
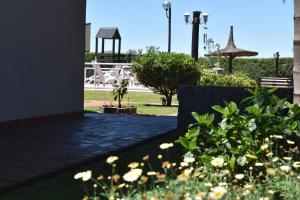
[61, 185]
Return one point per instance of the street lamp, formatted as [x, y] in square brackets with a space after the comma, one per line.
[168, 8]
[198, 18]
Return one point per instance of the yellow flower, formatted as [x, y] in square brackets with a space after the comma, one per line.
[132, 175]
[183, 176]
[133, 165]
[166, 165]
[110, 160]
[145, 158]
[223, 184]
[166, 145]
[271, 171]
[285, 168]
[239, 176]
[200, 195]
[249, 187]
[217, 162]
[217, 193]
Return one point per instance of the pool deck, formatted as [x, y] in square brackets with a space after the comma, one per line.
[42, 149]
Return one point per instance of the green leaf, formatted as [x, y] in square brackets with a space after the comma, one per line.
[242, 160]
[232, 162]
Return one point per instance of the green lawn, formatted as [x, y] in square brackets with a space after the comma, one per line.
[138, 99]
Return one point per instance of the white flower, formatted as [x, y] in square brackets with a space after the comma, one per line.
[78, 175]
[132, 175]
[208, 184]
[296, 164]
[217, 162]
[151, 173]
[110, 160]
[189, 160]
[259, 164]
[270, 154]
[166, 145]
[275, 159]
[290, 142]
[287, 158]
[217, 193]
[85, 176]
[264, 198]
[285, 168]
[276, 136]
[184, 164]
[239, 176]
[223, 184]
[264, 147]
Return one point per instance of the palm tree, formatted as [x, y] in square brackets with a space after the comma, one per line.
[296, 70]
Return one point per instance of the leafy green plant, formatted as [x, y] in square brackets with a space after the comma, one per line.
[119, 91]
[232, 80]
[164, 72]
[241, 136]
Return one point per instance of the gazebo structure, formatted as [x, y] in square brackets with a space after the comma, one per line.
[231, 51]
[110, 33]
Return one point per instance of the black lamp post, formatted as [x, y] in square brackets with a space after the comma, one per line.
[276, 56]
[196, 21]
[168, 8]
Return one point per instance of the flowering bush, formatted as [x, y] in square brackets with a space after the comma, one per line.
[247, 156]
[266, 127]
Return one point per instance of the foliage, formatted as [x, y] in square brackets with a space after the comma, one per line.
[89, 57]
[232, 80]
[244, 138]
[254, 68]
[164, 72]
[193, 180]
[119, 91]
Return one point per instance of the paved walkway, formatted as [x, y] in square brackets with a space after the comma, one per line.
[31, 152]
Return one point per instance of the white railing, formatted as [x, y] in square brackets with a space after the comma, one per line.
[106, 75]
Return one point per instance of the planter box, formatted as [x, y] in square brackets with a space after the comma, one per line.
[200, 99]
[116, 110]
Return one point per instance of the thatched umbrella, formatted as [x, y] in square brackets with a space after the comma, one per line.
[231, 51]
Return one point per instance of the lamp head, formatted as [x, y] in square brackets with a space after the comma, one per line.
[186, 17]
[205, 18]
[166, 5]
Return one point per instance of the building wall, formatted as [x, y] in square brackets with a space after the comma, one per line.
[41, 58]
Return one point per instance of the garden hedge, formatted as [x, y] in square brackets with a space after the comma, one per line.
[254, 68]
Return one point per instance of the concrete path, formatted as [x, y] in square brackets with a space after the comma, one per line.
[31, 152]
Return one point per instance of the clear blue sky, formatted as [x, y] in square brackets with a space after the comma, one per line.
[262, 25]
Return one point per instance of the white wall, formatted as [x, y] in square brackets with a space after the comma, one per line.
[41, 57]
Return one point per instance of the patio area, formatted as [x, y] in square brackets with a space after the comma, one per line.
[33, 152]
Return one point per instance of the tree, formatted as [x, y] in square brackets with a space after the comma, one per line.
[296, 70]
[119, 91]
[163, 72]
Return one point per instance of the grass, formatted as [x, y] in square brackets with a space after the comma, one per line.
[63, 186]
[138, 99]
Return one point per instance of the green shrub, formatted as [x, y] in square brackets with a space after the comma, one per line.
[232, 80]
[164, 72]
[254, 68]
[89, 57]
[244, 139]
[119, 91]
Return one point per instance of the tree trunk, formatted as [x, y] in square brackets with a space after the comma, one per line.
[296, 70]
[119, 100]
[169, 100]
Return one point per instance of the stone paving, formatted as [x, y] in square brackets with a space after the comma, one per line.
[42, 149]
